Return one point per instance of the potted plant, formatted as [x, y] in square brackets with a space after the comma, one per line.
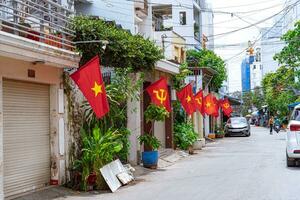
[219, 132]
[152, 114]
[150, 158]
[185, 136]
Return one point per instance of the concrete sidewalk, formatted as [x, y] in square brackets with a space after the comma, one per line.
[168, 158]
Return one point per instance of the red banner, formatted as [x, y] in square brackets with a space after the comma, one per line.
[186, 97]
[90, 82]
[159, 93]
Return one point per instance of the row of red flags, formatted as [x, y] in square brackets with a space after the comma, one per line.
[208, 105]
[90, 82]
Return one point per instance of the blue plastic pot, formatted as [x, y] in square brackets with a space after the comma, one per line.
[150, 159]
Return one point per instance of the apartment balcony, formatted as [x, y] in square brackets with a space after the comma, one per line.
[162, 17]
[84, 1]
[141, 8]
[37, 31]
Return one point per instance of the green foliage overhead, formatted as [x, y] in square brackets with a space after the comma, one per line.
[150, 141]
[277, 90]
[178, 79]
[155, 113]
[290, 54]
[124, 49]
[184, 135]
[207, 58]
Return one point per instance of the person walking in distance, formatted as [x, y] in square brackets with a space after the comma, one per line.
[271, 123]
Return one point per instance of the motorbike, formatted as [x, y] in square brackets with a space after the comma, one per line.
[277, 128]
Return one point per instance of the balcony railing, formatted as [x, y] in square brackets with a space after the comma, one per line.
[44, 21]
[141, 7]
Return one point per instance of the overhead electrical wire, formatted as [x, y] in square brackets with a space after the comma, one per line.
[244, 5]
[287, 8]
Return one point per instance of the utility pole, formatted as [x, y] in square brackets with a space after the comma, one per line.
[163, 43]
[204, 40]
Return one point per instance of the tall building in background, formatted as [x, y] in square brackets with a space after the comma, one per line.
[246, 72]
[256, 70]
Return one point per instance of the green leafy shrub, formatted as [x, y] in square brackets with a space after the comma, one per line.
[185, 135]
[150, 141]
[155, 113]
[124, 139]
[219, 131]
[98, 149]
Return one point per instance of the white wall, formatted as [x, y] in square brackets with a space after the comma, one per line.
[168, 53]
[186, 31]
[146, 27]
[256, 74]
[122, 11]
[17, 70]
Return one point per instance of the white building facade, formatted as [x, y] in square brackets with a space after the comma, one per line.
[34, 52]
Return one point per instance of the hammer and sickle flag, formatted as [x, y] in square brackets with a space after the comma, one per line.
[226, 107]
[186, 97]
[199, 102]
[159, 93]
[90, 82]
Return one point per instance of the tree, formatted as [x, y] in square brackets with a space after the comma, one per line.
[290, 55]
[276, 87]
[258, 99]
[247, 102]
[207, 58]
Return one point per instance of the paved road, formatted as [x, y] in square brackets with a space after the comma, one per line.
[236, 168]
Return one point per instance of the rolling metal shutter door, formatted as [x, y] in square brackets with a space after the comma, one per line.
[26, 136]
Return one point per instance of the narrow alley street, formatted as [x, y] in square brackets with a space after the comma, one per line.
[234, 168]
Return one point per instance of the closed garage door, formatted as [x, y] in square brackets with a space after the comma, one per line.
[26, 136]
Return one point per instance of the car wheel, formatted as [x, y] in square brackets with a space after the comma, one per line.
[248, 135]
[290, 162]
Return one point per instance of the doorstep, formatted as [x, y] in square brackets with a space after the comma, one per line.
[169, 157]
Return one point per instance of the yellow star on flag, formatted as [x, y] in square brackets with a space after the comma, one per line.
[97, 89]
[188, 99]
[208, 104]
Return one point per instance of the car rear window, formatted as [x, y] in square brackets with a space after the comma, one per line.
[296, 115]
[238, 120]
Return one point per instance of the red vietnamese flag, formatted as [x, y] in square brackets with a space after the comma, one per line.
[199, 102]
[216, 103]
[226, 107]
[186, 97]
[210, 106]
[159, 93]
[89, 80]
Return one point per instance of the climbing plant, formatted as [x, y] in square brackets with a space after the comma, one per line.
[123, 50]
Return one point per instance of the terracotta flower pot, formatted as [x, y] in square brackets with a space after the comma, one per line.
[91, 181]
[191, 150]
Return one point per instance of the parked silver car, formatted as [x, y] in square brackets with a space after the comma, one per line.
[238, 126]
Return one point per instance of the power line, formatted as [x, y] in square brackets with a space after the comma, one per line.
[244, 5]
[249, 26]
[287, 11]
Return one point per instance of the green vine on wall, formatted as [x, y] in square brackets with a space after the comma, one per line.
[124, 49]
